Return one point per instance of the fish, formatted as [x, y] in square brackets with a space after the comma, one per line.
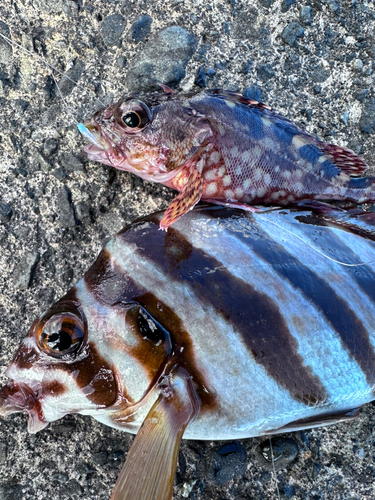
[218, 146]
[197, 332]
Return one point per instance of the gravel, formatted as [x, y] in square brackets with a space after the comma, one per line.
[57, 209]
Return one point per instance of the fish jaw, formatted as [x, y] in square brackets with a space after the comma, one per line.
[19, 398]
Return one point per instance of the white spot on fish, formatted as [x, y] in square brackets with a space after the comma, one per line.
[229, 194]
[221, 129]
[275, 196]
[239, 192]
[227, 180]
[234, 151]
[230, 104]
[322, 159]
[266, 122]
[298, 186]
[211, 188]
[298, 173]
[267, 178]
[287, 174]
[290, 197]
[210, 174]
[256, 152]
[277, 168]
[261, 192]
[258, 174]
[298, 142]
[246, 183]
[221, 171]
[215, 157]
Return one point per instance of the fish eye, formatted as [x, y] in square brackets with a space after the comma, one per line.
[132, 119]
[133, 116]
[62, 334]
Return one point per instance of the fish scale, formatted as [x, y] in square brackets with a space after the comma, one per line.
[198, 331]
[218, 146]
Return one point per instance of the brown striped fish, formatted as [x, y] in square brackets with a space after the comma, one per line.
[229, 325]
[219, 146]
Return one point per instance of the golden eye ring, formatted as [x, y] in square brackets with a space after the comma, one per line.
[133, 116]
[132, 119]
[61, 335]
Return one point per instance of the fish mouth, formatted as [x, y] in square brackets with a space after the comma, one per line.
[19, 398]
[102, 148]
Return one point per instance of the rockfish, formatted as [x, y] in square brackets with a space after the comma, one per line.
[228, 325]
[221, 147]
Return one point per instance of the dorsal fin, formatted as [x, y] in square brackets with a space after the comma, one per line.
[345, 159]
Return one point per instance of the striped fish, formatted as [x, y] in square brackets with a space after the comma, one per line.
[228, 325]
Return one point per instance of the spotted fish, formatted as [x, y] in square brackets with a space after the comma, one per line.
[221, 147]
[198, 332]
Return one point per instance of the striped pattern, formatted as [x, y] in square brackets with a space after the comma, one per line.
[272, 327]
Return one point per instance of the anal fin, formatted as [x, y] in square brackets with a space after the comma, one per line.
[318, 421]
[185, 201]
[150, 467]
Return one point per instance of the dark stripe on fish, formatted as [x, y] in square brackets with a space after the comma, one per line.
[108, 282]
[353, 334]
[253, 314]
[111, 286]
[363, 274]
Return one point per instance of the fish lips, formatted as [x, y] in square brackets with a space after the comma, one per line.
[17, 397]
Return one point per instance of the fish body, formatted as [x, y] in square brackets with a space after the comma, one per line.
[219, 146]
[200, 330]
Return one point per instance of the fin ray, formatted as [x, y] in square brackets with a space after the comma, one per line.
[150, 467]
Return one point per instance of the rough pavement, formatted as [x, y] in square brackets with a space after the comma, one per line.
[311, 60]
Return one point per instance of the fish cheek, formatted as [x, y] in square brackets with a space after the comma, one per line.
[94, 376]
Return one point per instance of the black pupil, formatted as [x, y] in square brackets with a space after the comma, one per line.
[59, 341]
[131, 120]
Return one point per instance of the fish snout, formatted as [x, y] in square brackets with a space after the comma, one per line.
[16, 397]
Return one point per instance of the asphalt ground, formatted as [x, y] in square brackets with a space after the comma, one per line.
[312, 61]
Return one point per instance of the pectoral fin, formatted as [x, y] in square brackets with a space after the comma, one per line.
[150, 467]
[185, 201]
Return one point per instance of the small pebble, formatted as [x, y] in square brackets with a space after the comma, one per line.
[5, 212]
[265, 72]
[141, 28]
[50, 146]
[361, 95]
[291, 32]
[253, 92]
[200, 79]
[121, 62]
[357, 65]
[284, 451]
[307, 14]
[112, 30]
[286, 5]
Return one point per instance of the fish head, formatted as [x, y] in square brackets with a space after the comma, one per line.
[151, 135]
[82, 358]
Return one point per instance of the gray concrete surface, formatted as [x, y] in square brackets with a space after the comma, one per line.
[312, 60]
